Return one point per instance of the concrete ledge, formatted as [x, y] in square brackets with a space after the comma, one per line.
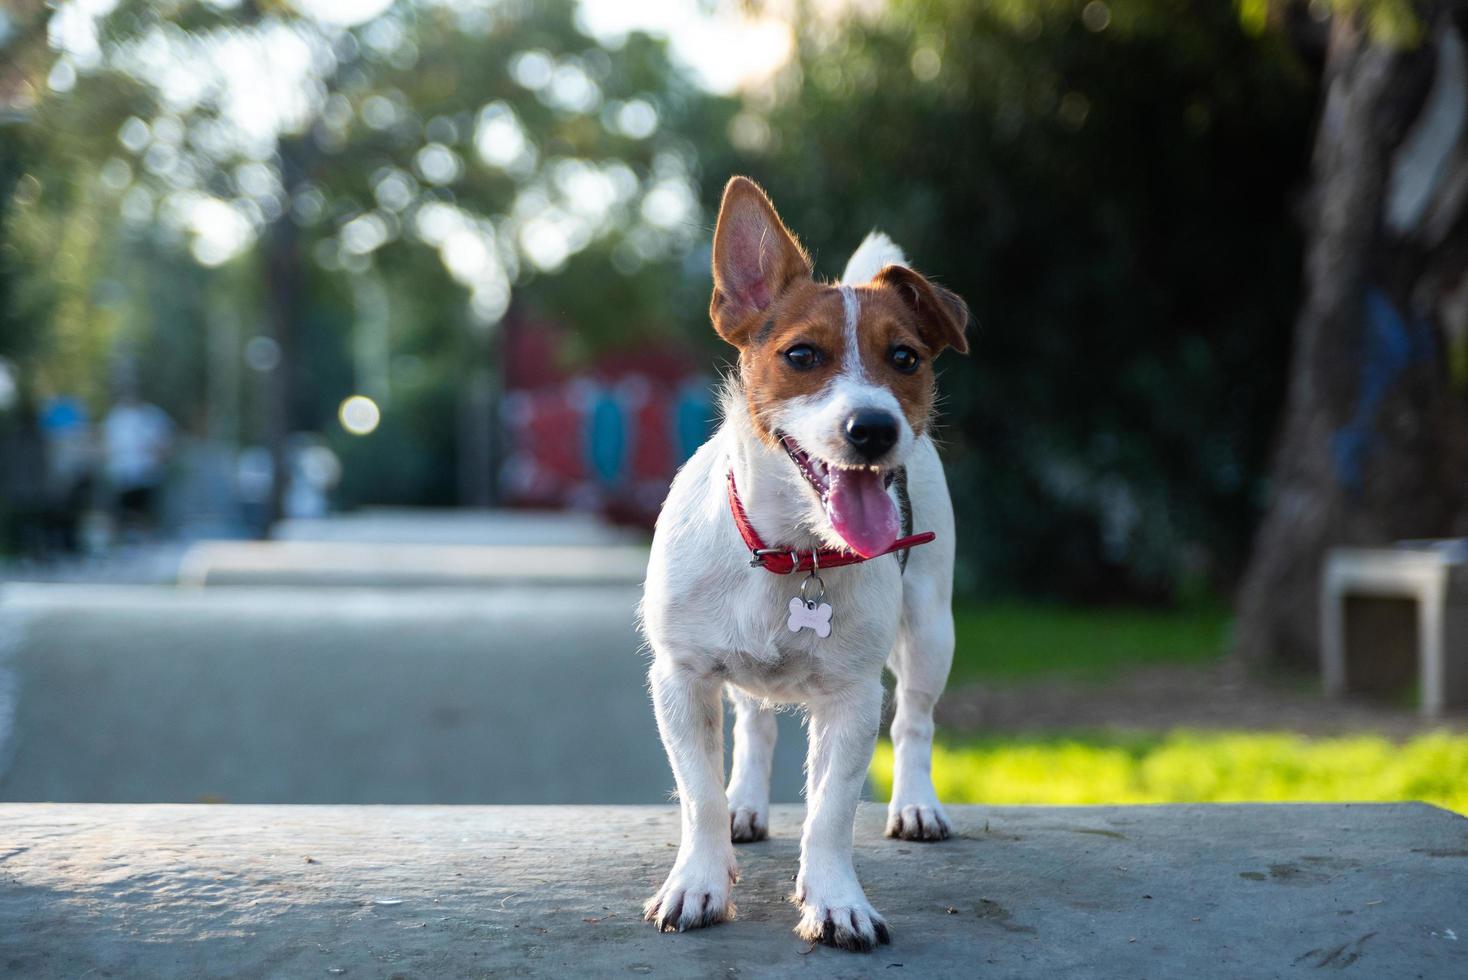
[1210, 891]
[426, 525]
[392, 565]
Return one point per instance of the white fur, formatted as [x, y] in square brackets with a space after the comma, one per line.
[717, 626]
[851, 355]
[874, 254]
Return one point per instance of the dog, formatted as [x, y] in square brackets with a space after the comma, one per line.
[822, 466]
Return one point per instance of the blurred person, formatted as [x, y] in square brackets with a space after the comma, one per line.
[137, 438]
[24, 502]
[315, 472]
[254, 474]
[69, 457]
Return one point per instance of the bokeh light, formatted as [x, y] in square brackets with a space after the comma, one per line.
[359, 415]
[9, 388]
[342, 13]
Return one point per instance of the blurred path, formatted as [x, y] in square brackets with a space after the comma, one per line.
[504, 695]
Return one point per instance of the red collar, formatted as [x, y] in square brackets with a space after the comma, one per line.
[785, 561]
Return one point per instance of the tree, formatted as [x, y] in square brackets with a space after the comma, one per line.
[1373, 446]
[420, 172]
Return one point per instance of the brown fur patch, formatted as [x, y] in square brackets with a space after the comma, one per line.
[815, 314]
[806, 313]
[765, 302]
[886, 323]
[942, 316]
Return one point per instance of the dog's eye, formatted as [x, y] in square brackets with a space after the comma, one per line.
[905, 359]
[802, 357]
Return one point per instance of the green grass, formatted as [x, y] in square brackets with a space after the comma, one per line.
[1017, 641]
[1196, 767]
[1021, 641]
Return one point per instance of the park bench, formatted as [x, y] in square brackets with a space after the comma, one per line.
[1387, 613]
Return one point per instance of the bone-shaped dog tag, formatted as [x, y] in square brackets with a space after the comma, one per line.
[808, 612]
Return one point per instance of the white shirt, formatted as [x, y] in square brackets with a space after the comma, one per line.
[136, 438]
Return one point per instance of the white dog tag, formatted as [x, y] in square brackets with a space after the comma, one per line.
[808, 612]
[812, 612]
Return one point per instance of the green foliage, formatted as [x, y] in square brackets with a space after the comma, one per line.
[19, 325]
[108, 256]
[56, 234]
[1017, 640]
[1396, 23]
[1108, 185]
[1196, 767]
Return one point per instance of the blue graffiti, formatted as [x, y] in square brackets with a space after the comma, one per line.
[606, 437]
[1389, 346]
[693, 415]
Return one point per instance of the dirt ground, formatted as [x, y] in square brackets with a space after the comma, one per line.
[1161, 698]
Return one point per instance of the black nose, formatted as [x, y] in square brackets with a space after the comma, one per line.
[871, 433]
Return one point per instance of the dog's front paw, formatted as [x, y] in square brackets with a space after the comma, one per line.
[915, 821]
[846, 924]
[747, 823]
[690, 899]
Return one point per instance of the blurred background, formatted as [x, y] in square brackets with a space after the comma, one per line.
[347, 348]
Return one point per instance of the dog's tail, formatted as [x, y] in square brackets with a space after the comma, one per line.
[875, 253]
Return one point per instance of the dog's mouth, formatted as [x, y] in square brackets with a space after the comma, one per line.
[854, 497]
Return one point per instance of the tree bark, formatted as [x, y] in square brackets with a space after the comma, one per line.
[1374, 440]
[284, 295]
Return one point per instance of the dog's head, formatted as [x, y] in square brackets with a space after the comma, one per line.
[838, 375]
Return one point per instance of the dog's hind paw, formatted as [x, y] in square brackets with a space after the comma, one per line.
[747, 824]
[855, 927]
[923, 823]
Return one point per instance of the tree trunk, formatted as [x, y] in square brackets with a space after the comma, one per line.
[1374, 441]
[478, 423]
[284, 294]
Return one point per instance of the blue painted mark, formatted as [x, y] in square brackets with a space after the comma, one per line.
[693, 414]
[62, 413]
[606, 437]
[1389, 345]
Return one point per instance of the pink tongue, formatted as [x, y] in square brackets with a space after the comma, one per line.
[861, 512]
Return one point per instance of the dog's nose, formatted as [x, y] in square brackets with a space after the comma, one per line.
[871, 433]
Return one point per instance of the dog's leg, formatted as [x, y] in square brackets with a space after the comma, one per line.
[690, 714]
[749, 783]
[833, 908]
[921, 660]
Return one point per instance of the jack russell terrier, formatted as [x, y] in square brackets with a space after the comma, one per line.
[817, 474]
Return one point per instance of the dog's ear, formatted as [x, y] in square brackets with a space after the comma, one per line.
[755, 260]
[942, 315]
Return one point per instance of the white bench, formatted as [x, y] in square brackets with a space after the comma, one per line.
[1434, 576]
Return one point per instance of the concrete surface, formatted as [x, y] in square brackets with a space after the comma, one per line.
[153, 563]
[408, 525]
[507, 695]
[388, 565]
[1182, 891]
